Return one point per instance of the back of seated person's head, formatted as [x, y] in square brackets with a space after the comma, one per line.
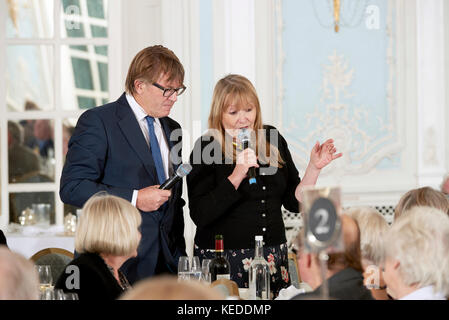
[373, 227]
[351, 255]
[425, 196]
[18, 277]
[169, 288]
[108, 225]
[419, 241]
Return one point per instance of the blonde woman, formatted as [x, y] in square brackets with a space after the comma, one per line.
[221, 199]
[108, 235]
[373, 227]
[416, 257]
[425, 196]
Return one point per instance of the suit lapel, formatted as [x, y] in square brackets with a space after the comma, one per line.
[131, 130]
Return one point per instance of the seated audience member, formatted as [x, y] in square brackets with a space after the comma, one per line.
[107, 235]
[373, 227]
[169, 288]
[18, 277]
[422, 197]
[3, 239]
[22, 160]
[416, 259]
[344, 269]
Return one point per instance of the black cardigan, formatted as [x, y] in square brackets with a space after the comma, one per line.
[2, 239]
[96, 281]
[239, 215]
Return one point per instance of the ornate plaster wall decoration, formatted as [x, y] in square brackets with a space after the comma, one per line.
[339, 116]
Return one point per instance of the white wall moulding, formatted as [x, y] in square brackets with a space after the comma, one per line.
[234, 38]
[142, 27]
[431, 91]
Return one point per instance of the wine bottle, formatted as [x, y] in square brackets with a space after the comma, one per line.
[259, 274]
[219, 267]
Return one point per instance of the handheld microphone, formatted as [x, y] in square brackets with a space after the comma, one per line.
[245, 138]
[183, 170]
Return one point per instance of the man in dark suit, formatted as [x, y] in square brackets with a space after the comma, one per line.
[344, 269]
[128, 148]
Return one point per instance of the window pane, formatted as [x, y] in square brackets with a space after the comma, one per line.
[68, 127]
[82, 72]
[84, 18]
[29, 77]
[36, 201]
[29, 18]
[31, 155]
[84, 76]
[96, 8]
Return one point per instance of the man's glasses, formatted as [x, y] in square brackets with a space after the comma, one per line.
[168, 92]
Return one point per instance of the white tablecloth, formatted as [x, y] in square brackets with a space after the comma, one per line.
[28, 245]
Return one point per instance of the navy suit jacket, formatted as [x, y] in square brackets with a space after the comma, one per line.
[108, 152]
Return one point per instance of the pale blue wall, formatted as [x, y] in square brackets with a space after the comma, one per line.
[307, 44]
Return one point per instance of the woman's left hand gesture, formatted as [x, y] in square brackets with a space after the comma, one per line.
[324, 154]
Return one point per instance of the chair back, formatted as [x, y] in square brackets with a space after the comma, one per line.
[56, 258]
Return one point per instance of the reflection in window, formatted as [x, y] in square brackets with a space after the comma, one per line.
[29, 18]
[68, 128]
[84, 18]
[84, 76]
[29, 76]
[31, 157]
[19, 202]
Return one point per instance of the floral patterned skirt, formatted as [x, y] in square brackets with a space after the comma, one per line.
[240, 260]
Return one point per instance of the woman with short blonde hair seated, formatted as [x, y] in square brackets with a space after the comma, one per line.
[107, 235]
[373, 227]
[416, 255]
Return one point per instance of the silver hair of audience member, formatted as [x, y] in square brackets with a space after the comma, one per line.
[419, 240]
[373, 227]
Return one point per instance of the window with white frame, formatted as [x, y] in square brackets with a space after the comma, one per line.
[56, 62]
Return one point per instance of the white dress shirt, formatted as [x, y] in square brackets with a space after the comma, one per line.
[163, 145]
[425, 293]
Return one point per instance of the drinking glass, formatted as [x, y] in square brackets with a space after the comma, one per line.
[59, 294]
[205, 270]
[45, 277]
[71, 296]
[184, 268]
[47, 293]
[195, 270]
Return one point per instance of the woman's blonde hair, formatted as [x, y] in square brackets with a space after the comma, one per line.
[108, 225]
[373, 227]
[426, 196]
[239, 91]
[419, 240]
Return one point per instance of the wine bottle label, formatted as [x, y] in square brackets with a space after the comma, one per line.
[219, 246]
[224, 276]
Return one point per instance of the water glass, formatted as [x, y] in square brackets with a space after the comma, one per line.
[205, 270]
[71, 296]
[59, 294]
[184, 268]
[195, 270]
[45, 277]
[47, 293]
